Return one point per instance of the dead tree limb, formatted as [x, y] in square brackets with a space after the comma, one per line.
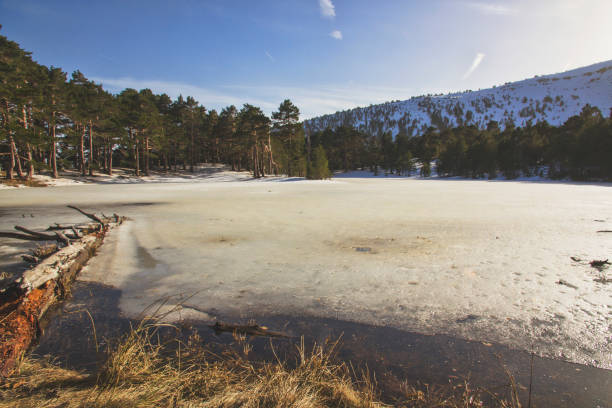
[63, 238]
[27, 237]
[30, 258]
[88, 215]
[40, 235]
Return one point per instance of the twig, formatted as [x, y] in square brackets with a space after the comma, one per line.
[566, 283]
[94, 329]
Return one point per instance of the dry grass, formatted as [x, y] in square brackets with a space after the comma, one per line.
[142, 371]
[22, 182]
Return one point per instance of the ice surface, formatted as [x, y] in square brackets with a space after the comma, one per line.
[474, 259]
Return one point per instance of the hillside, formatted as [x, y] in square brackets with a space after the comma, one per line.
[553, 98]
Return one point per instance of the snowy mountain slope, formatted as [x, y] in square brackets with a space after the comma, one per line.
[553, 98]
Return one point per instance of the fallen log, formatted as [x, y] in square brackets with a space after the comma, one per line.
[25, 301]
[44, 251]
[247, 329]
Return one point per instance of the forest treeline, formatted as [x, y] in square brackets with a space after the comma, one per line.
[580, 149]
[51, 121]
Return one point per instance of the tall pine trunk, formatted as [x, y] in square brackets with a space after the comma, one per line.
[110, 157]
[262, 166]
[11, 169]
[254, 159]
[30, 162]
[54, 147]
[17, 158]
[146, 155]
[270, 153]
[82, 151]
[91, 156]
[137, 154]
[191, 169]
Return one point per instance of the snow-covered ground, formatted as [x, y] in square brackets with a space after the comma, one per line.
[474, 259]
[553, 98]
[203, 173]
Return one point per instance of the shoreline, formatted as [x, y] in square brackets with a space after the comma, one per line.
[222, 173]
[392, 356]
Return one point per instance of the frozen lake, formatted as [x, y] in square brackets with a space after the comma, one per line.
[473, 259]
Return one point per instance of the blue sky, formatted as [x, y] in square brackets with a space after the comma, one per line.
[324, 55]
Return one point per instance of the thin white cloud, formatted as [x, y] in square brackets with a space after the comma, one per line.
[492, 8]
[210, 98]
[270, 57]
[477, 60]
[318, 100]
[313, 100]
[336, 34]
[327, 8]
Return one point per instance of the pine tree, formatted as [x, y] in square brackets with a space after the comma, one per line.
[290, 132]
[318, 168]
[253, 131]
[225, 130]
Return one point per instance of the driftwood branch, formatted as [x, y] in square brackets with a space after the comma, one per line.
[88, 215]
[25, 300]
[27, 237]
[30, 258]
[90, 227]
[40, 235]
[250, 329]
[63, 238]
[78, 230]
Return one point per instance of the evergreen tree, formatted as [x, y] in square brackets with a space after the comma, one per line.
[287, 128]
[253, 130]
[318, 168]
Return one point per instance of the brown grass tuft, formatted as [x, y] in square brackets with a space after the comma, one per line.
[142, 371]
[22, 182]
